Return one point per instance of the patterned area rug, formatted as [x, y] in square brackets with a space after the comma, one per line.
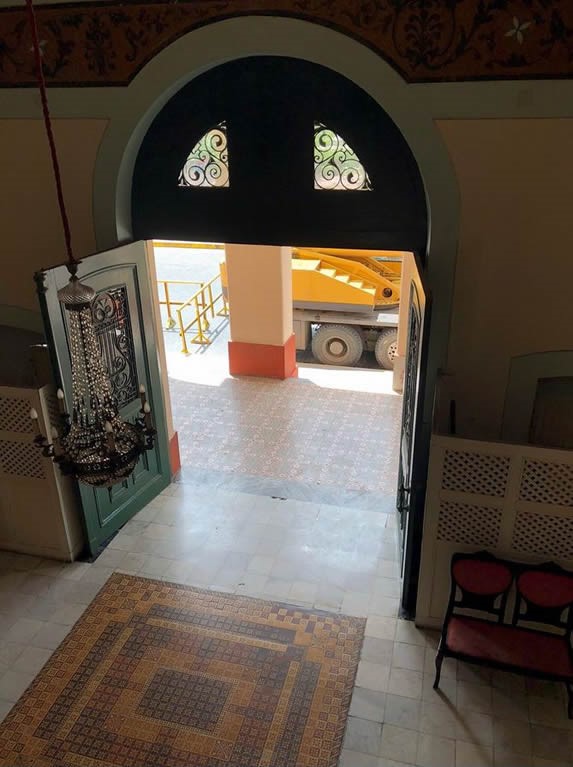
[161, 675]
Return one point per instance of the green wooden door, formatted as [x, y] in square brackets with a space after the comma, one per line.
[123, 318]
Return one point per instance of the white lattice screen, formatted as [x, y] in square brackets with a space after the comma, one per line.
[19, 456]
[543, 535]
[21, 459]
[466, 472]
[544, 482]
[513, 500]
[466, 523]
[15, 415]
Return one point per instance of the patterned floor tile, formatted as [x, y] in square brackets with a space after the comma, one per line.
[289, 431]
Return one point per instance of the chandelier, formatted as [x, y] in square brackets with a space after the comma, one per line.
[91, 443]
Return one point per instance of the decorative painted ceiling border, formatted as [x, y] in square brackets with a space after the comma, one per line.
[107, 43]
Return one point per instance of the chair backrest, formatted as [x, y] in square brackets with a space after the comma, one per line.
[544, 594]
[480, 582]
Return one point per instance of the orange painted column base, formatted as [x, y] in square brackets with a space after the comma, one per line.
[263, 360]
[174, 455]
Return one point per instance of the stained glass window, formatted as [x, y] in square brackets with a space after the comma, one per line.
[336, 165]
[208, 163]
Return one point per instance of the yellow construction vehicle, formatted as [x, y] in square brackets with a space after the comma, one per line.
[345, 302]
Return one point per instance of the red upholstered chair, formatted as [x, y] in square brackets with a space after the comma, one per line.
[480, 583]
[544, 600]
[535, 640]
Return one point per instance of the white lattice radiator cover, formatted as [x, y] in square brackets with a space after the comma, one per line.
[513, 500]
[39, 511]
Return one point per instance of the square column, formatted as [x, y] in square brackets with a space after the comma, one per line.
[259, 279]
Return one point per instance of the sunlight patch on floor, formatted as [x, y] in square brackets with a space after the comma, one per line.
[213, 371]
[348, 379]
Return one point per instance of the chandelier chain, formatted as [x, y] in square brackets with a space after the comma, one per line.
[72, 262]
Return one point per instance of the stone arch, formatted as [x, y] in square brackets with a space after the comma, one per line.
[220, 42]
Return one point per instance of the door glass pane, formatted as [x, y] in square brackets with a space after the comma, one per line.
[113, 330]
[208, 163]
[336, 165]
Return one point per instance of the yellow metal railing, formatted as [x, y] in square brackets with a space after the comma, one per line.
[169, 302]
[202, 304]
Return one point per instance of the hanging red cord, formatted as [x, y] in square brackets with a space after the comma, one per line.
[49, 131]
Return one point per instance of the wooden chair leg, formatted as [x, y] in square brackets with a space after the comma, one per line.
[439, 661]
[569, 686]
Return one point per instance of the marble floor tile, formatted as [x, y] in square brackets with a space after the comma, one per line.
[363, 735]
[551, 743]
[438, 719]
[373, 676]
[405, 682]
[472, 755]
[335, 556]
[368, 704]
[513, 736]
[399, 743]
[434, 751]
[402, 712]
[31, 660]
[380, 627]
[475, 697]
[13, 683]
[408, 656]
[377, 650]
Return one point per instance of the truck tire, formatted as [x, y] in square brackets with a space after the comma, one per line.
[386, 347]
[337, 345]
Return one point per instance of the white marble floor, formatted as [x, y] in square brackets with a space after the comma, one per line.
[315, 554]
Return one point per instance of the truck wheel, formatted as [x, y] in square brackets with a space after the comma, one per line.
[386, 347]
[337, 345]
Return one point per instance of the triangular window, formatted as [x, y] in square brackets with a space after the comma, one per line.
[208, 164]
[336, 165]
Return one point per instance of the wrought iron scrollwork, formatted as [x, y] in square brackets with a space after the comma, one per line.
[110, 311]
[208, 163]
[336, 165]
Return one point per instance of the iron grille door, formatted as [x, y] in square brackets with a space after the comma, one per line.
[414, 445]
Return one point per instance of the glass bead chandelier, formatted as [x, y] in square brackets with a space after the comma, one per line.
[92, 443]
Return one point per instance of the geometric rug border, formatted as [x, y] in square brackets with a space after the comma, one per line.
[357, 623]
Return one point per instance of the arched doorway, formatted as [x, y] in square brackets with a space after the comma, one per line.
[269, 110]
[275, 150]
[213, 44]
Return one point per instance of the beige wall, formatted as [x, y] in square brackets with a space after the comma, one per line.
[260, 293]
[514, 271]
[515, 265]
[32, 235]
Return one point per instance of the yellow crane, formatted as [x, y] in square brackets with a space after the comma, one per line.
[345, 302]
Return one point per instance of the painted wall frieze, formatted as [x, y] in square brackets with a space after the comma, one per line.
[107, 43]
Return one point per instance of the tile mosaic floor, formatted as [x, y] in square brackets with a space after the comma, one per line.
[158, 674]
[316, 555]
[290, 430]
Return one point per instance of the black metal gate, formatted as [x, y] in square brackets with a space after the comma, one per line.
[414, 445]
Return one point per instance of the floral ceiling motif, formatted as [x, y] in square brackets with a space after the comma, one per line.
[424, 40]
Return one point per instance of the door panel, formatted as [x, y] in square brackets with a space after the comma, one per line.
[123, 321]
[413, 453]
[270, 105]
